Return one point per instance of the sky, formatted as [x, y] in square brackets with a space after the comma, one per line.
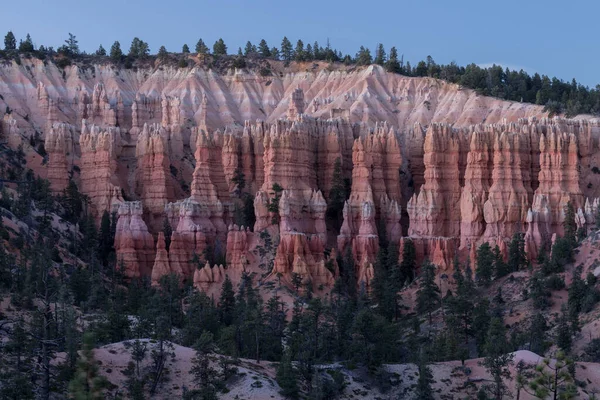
[556, 38]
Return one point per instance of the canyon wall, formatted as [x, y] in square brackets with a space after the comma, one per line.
[244, 169]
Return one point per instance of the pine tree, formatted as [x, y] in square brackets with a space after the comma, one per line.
[299, 53]
[424, 391]
[185, 49]
[219, 48]
[286, 377]
[537, 334]
[227, 303]
[498, 357]
[72, 44]
[363, 57]
[115, 52]
[485, 264]
[16, 364]
[517, 258]
[380, 56]
[554, 379]
[337, 195]
[287, 52]
[87, 383]
[563, 331]
[408, 266]
[10, 42]
[205, 376]
[201, 47]
[162, 53]
[26, 46]
[569, 225]
[101, 51]
[248, 49]
[428, 295]
[263, 49]
[138, 48]
[392, 64]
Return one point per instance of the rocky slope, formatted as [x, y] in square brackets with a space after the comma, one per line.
[424, 159]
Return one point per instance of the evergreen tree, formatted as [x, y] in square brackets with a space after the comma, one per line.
[274, 53]
[299, 53]
[101, 51]
[286, 377]
[569, 225]
[162, 53]
[27, 45]
[201, 47]
[424, 391]
[185, 49]
[138, 48]
[563, 331]
[115, 52]
[219, 48]
[72, 44]
[227, 303]
[248, 49]
[537, 334]
[517, 258]
[408, 266]
[87, 383]
[481, 323]
[485, 264]
[337, 195]
[205, 376]
[428, 295]
[554, 379]
[263, 49]
[498, 357]
[10, 42]
[380, 56]
[363, 57]
[392, 64]
[500, 267]
[287, 52]
[106, 239]
[16, 364]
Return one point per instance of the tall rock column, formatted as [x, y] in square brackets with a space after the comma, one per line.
[59, 145]
[134, 245]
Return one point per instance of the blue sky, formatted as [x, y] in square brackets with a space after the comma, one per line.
[556, 38]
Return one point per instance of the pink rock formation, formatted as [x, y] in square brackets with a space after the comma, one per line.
[154, 180]
[134, 245]
[60, 146]
[100, 149]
